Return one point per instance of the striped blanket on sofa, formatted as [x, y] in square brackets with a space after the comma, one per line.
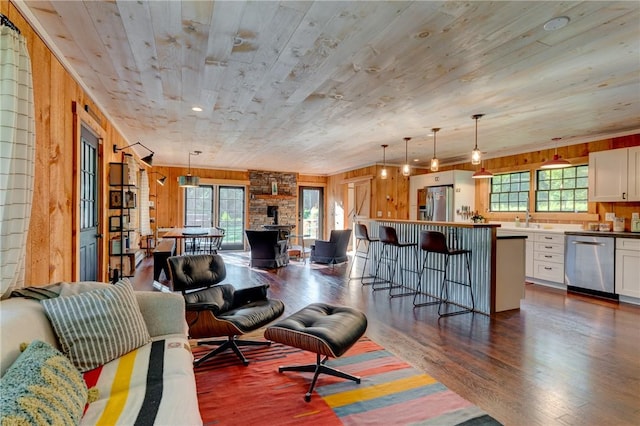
[134, 388]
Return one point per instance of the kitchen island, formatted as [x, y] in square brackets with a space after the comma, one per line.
[489, 275]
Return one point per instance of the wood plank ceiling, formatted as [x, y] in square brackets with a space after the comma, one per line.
[316, 87]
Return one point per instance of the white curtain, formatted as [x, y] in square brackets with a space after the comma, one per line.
[145, 222]
[17, 155]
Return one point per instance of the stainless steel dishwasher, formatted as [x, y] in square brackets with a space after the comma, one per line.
[589, 264]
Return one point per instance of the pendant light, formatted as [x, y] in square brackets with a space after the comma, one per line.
[383, 172]
[406, 169]
[435, 163]
[476, 155]
[189, 181]
[482, 173]
[556, 162]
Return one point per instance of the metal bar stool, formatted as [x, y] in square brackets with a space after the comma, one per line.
[426, 246]
[436, 242]
[362, 236]
[391, 247]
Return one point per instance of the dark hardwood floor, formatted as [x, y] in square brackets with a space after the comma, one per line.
[559, 360]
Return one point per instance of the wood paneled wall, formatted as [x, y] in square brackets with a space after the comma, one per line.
[52, 231]
[576, 154]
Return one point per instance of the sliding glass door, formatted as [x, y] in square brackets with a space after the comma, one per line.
[311, 212]
[217, 205]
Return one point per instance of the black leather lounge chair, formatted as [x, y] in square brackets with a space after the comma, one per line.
[216, 310]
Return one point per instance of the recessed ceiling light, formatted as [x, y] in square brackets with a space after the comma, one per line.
[556, 23]
[196, 109]
[415, 160]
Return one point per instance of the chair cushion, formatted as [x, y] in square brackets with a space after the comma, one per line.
[254, 315]
[217, 299]
[320, 328]
[196, 271]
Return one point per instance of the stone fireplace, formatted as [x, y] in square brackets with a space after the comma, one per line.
[261, 197]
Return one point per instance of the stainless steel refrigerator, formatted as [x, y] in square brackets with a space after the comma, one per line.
[439, 205]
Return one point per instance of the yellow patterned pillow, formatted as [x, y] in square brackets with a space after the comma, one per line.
[42, 387]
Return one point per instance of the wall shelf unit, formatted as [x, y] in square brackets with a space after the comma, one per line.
[122, 204]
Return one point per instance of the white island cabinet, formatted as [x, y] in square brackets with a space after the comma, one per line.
[628, 267]
[614, 175]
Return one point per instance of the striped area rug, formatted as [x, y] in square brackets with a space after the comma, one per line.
[391, 392]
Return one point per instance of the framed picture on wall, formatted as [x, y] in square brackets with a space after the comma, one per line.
[115, 223]
[118, 174]
[115, 199]
[130, 200]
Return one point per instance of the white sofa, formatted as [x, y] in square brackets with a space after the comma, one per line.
[123, 391]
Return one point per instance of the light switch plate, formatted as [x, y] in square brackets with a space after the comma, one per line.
[609, 217]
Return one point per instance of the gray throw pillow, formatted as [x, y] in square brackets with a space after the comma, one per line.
[98, 326]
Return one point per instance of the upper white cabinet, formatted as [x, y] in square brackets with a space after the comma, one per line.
[614, 175]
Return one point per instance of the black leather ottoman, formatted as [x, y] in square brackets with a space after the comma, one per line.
[326, 330]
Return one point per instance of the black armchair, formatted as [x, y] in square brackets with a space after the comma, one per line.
[332, 251]
[267, 250]
[215, 310]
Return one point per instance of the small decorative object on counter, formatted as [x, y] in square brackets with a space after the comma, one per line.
[517, 222]
[593, 226]
[635, 222]
[605, 226]
[477, 218]
[618, 224]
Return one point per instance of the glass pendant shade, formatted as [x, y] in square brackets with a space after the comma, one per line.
[476, 156]
[406, 169]
[435, 163]
[383, 172]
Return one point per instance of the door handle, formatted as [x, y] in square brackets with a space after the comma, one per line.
[588, 243]
[624, 195]
[98, 235]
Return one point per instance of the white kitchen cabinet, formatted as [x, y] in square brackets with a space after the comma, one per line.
[548, 258]
[614, 175]
[628, 267]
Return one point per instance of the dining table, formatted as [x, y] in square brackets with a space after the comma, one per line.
[202, 239]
